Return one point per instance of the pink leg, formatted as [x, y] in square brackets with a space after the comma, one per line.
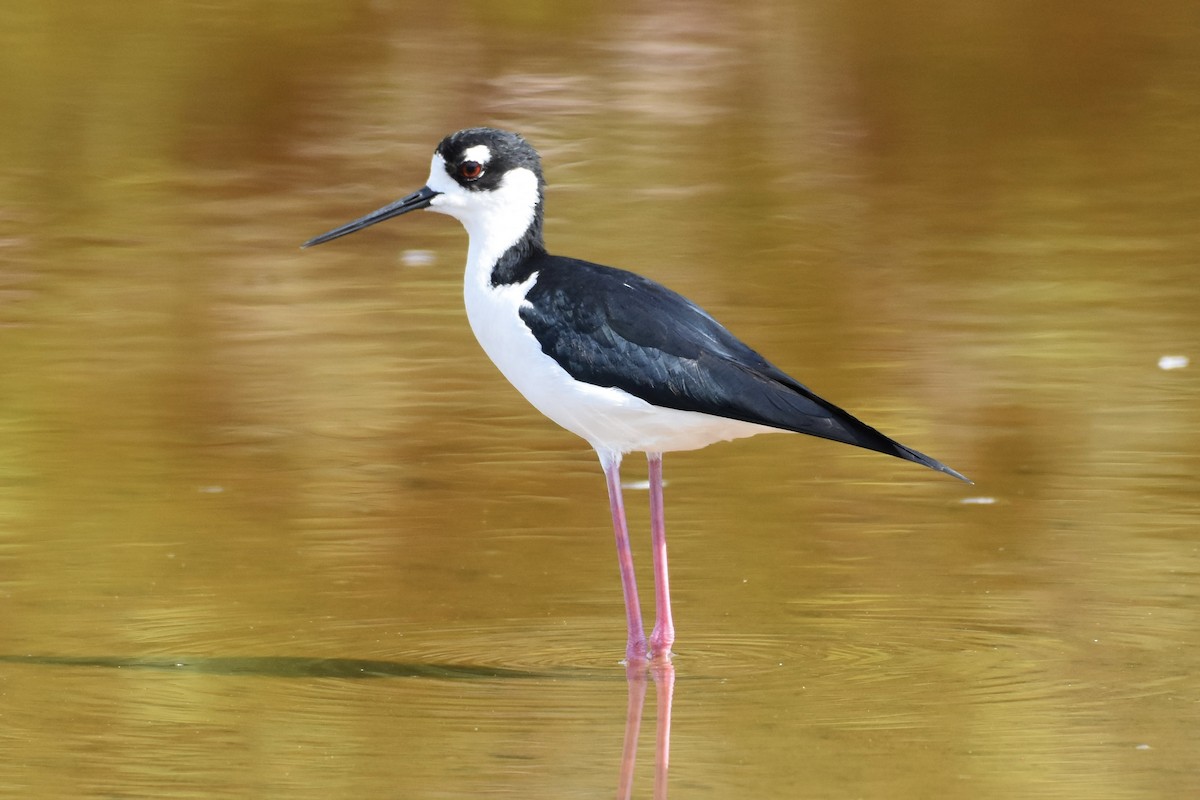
[635, 646]
[663, 635]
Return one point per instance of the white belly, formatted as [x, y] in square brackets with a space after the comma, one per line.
[608, 418]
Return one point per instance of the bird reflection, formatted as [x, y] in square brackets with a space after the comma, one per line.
[639, 676]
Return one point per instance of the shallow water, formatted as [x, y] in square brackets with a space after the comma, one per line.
[271, 525]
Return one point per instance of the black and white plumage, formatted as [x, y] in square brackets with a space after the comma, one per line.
[614, 357]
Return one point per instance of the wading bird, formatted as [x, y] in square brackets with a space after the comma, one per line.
[613, 357]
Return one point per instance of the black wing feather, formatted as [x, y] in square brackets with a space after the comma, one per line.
[613, 328]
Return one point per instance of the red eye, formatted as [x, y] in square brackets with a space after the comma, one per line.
[470, 170]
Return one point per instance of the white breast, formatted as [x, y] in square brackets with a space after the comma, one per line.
[608, 418]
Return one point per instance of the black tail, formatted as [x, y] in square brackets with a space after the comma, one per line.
[815, 416]
[768, 396]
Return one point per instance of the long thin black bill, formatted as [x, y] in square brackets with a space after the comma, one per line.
[417, 200]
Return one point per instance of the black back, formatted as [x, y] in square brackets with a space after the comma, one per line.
[613, 328]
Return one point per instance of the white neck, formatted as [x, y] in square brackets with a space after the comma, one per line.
[495, 220]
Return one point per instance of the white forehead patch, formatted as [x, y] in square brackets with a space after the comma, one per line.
[439, 180]
[479, 154]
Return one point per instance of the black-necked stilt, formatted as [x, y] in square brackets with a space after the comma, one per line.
[611, 356]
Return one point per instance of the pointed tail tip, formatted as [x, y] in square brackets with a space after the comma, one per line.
[934, 464]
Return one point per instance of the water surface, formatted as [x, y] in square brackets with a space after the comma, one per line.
[271, 525]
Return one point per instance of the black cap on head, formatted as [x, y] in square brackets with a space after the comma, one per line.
[504, 151]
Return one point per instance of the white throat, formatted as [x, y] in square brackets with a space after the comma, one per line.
[495, 220]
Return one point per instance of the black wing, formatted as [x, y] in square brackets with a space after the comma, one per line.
[613, 328]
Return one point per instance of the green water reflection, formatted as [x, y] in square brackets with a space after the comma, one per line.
[975, 227]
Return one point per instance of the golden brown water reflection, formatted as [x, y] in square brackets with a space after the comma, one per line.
[974, 226]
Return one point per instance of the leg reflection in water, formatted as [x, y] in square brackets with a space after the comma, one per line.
[638, 676]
